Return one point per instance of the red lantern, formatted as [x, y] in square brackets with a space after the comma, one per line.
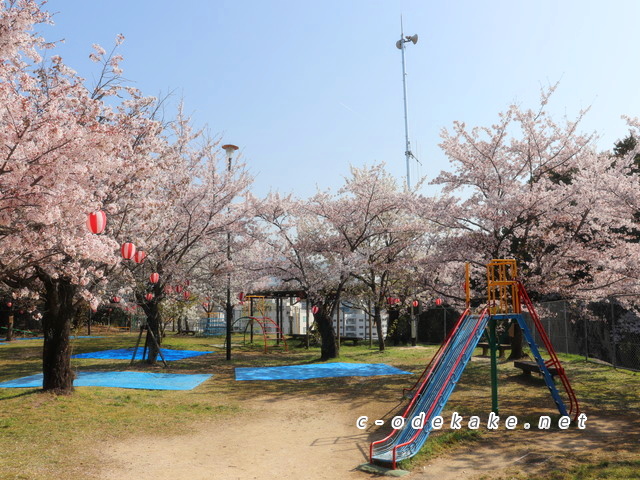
[128, 250]
[154, 277]
[21, 312]
[139, 256]
[186, 295]
[205, 305]
[116, 299]
[149, 296]
[314, 309]
[241, 296]
[168, 289]
[9, 304]
[179, 288]
[97, 222]
[415, 304]
[438, 301]
[187, 283]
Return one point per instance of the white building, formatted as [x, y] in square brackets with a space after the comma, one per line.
[353, 322]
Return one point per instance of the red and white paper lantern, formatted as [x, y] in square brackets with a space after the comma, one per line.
[139, 256]
[186, 295]
[438, 301]
[97, 222]
[115, 299]
[149, 297]
[128, 250]
[154, 277]
[314, 309]
[415, 304]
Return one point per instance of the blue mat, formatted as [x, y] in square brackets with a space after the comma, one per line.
[317, 370]
[139, 380]
[126, 353]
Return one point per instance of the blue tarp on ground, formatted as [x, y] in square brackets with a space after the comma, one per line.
[139, 380]
[317, 370]
[126, 353]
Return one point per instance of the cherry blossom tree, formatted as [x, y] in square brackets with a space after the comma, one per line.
[376, 224]
[330, 243]
[190, 205]
[301, 251]
[529, 188]
[68, 152]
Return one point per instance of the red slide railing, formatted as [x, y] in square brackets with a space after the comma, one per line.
[574, 408]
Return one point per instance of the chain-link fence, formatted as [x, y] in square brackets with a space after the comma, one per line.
[606, 331]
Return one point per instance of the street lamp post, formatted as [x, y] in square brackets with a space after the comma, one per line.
[229, 150]
[400, 44]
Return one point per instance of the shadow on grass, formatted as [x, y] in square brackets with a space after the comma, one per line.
[28, 393]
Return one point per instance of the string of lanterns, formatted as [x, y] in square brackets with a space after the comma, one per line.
[97, 222]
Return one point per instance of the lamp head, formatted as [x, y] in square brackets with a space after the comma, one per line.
[229, 149]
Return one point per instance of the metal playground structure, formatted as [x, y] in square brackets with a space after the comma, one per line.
[506, 296]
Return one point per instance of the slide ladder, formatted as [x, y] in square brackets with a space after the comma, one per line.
[433, 392]
[574, 408]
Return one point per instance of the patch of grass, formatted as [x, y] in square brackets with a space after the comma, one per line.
[605, 470]
[626, 470]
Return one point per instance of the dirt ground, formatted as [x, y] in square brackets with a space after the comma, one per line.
[284, 439]
[316, 438]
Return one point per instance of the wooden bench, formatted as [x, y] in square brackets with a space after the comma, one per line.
[355, 340]
[501, 348]
[302, 339]
[120, 329]
[528, 367]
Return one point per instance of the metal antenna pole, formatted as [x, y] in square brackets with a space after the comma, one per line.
[400, 44]
[407, 151]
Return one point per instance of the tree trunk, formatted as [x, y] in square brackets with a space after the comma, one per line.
[377, 318]
[517, 351]
[153, 330]
[10, 328]
[327, 336]
[56, 322]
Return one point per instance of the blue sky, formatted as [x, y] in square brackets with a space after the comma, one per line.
[308, 88]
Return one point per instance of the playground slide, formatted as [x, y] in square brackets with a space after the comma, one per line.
[432, 394]
[428, 370]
